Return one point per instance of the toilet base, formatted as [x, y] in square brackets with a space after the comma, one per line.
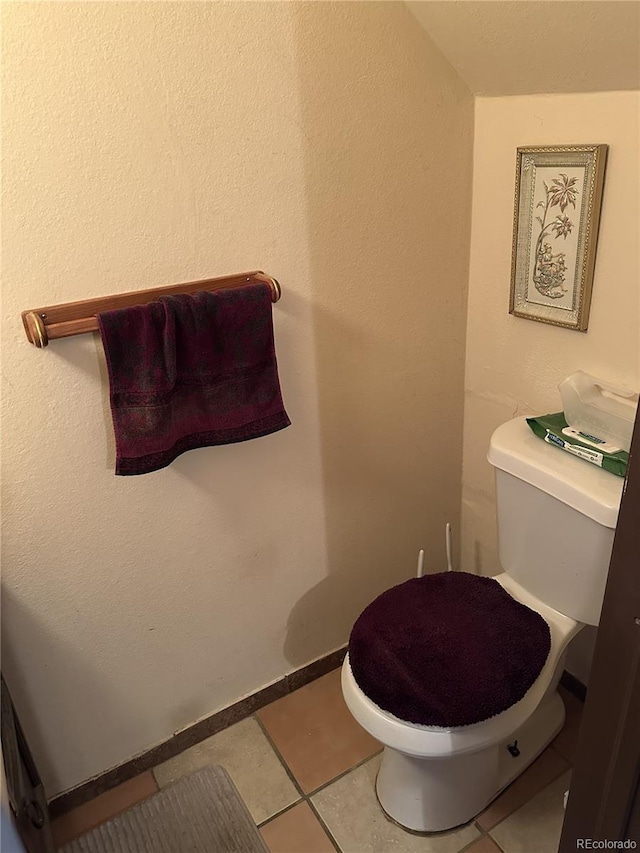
[432, 795]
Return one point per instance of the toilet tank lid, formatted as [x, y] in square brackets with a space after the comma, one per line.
[579, 484]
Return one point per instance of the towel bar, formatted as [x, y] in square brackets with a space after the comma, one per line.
[75, 318]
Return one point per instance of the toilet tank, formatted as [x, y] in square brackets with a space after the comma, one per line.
[556, 520]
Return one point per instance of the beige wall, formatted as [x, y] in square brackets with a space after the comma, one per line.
[513, 366]
[152, 143]
[502, 47]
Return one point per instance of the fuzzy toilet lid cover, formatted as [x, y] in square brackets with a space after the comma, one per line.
[449, 649]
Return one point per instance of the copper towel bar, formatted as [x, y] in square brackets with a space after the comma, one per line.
[76, 318]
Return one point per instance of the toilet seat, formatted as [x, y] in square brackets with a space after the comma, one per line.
[449, 649]
[439, 742]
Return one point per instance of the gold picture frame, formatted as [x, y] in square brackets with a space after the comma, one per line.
[558, 197]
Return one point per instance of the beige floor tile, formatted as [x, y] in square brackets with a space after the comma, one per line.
[536, 827]
[296, 831]
[351, 811]
[250, 761]
[315, 732]
[567, 741]
[102, 808]
[544, 770]
[484, 845]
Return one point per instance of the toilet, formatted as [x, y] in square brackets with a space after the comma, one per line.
[556, 522]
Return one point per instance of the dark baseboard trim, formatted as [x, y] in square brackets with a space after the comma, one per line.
[217, 722]
[573, 685]
[194, 734]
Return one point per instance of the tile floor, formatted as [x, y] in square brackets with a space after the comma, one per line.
[306, 771]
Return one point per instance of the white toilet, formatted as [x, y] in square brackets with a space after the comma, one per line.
[556, 521]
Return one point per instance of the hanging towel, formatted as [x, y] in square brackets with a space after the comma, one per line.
[191, 371]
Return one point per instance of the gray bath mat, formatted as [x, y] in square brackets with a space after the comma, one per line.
[202, 813]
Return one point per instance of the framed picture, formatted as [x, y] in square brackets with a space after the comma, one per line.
[555, 230]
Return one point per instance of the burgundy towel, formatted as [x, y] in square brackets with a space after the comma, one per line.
[449, 649]
[191, 371]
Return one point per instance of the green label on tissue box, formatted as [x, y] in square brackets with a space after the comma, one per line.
[553, 430]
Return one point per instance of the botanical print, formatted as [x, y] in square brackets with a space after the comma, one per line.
[555, 228]
[549, 267]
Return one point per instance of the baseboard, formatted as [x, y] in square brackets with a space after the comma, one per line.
[194, 734]
[573, 685]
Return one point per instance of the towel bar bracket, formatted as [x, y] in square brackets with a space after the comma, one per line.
[75, 318]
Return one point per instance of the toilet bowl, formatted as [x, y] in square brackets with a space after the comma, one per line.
[432, 779]
[556, 518]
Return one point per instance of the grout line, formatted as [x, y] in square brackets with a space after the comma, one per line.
[526, 802]
[501, 849]
[152, 770]
[561, 757]
[279, 756]
[320, 820]
[304, 795]
[344, 773]
[484, 833]
[305, 798]
[278, 814]
[469, 846]
[480, 829]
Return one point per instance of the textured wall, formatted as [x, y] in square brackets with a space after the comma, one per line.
[513, 366]
[152, 143]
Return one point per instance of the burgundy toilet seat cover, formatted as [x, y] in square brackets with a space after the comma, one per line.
[450, 649]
